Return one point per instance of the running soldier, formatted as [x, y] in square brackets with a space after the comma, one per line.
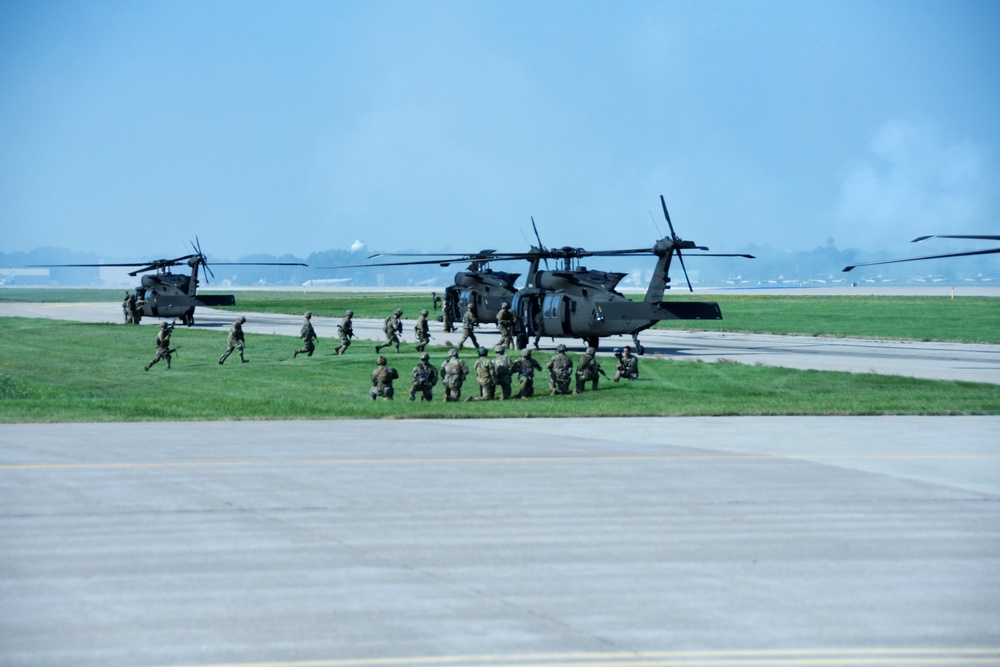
[425, 376]
[235, 341]
[587, 369]
[422, 330]
[393, 327]
[503, 367]
[628, 366]
[382, 378]
[308, 335]
[163, 350]
[505, 323]
[485, 375]
[560, 371]
[346, 331]
[453, 374]
[526, 368]
[469, 324]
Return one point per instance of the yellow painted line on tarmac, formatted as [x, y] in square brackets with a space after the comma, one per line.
[807, 657]
[493, 460]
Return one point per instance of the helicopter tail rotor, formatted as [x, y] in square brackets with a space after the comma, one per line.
[677, 241]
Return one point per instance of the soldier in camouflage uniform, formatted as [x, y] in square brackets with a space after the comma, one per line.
[469, 324]
[126, 310]
[163, 350]
[235, 341]
[453, 374]
[505, 324]
[587, 369]
[628, 366]
[308, 335]
[346, 331]
[393, 326]
[422, 330]
[560, 371]
[486, 376]
[382, 378]
[425, 376]
[526, 368]
[503, 369]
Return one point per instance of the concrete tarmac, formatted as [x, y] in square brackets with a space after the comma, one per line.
[670, 541]
[928, 360]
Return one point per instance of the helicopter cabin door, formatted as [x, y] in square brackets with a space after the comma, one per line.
[555, 314]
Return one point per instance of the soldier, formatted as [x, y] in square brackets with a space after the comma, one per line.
[447, 323]
[628, 366]
[505, 323]
[308, 335]
[393, 327]
[453, 374]
[422, 330]
[526, 368]
[560, 371]
[126, 311]
[382, 378]
[425, 376]
[486, 376]
[469, 324]
[587, 369]
[235, 341]
[163, 350]
[503, 367]
[346, 331]
[133, 315]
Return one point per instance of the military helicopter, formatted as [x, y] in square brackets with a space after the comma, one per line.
[174, 295]
[574, 301]
[948, 254]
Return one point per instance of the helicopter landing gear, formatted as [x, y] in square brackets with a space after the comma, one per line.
[639, 349]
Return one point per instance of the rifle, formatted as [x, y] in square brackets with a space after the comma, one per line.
[601, 371]
[173, 351]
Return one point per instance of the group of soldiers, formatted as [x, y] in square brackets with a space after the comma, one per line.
[131, 309]
[491, 374]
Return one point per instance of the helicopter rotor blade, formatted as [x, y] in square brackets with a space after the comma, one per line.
[539, 239]
[979, 237]
[666, 214]
[913, 259]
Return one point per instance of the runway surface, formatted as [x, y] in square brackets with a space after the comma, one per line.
[936, 361]
[673, 541]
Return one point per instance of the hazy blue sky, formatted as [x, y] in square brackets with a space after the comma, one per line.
[127, 128]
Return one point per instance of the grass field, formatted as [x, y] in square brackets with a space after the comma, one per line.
[963, 319]
[67, 372]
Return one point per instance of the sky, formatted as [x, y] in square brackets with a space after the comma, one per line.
[128, 128]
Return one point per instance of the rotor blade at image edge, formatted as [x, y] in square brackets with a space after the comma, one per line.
[914, 259]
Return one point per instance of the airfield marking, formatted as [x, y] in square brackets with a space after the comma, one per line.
[871, 656]
[513, 459]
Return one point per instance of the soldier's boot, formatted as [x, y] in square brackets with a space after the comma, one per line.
[295, 354]
[378, 348]
[412, 397]
[397, 348]
[146, 367]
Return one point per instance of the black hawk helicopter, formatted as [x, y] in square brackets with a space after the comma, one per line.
[947, 254]
[573, 302]
[174, 295]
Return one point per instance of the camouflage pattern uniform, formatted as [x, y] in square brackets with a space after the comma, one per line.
[392, 327]
[486, 376]
[346, 330]
[235, 340]
[469, 324]
[628, 366]
[505, 323]
[162, 345]
[425, 376]
[587, 369]
[308, 335]
[126, 311]
[526, 368]
[446, 322]
[453, 374]
[560, 371]
[503, 369]
[382, 378]
[422, 330]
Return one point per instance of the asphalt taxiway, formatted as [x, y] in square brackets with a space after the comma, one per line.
[670, 541]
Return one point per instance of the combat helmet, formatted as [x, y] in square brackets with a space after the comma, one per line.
[163, 325]
[591, 351]
[453, 352]
[499, 349]
[425, 357]
[242, 319]
[424, 312]
[381, 361]
[525, 353]
[398, 312]
[560, 348]
[350, 313]
[483, 352]
[308, 314]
